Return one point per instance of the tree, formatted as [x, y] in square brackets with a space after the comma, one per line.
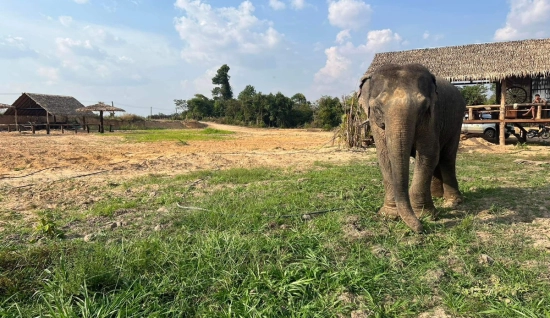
[200, 106]
[301, 112]
[181, 104]
[474, 94]
[246, 97]
[222, 78]
[329, 112]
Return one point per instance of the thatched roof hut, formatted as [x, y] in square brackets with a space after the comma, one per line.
[29, 104]
[101, 107]
[477, 62]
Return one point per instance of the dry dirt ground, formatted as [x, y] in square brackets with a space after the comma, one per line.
[30, 163]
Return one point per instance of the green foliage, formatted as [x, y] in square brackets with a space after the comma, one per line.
[329, 112]
[477, 94]
[223, 91]
[47, 227]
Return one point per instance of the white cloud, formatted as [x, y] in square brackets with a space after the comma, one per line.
[65, 20]
[346, 62]
[349, 14]
[277, 4]
[49, 73]
[426, 35]
[15, 47]
[215, 34]
[81, 1]
[297, 4]
[526, 19]
[342, 36]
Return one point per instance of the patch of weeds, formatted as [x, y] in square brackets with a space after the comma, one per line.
[109, 206]
[521, 146]
[496, 209]
[154, 135]
[47, 227]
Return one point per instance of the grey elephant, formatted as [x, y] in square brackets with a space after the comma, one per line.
[413, 113]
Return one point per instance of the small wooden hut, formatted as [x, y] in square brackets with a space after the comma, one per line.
[55, 109]
[520, 70]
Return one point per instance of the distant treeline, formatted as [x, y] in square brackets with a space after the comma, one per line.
[252, 108]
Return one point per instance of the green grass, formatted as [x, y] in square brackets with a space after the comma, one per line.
[182, 135]
[232, 255]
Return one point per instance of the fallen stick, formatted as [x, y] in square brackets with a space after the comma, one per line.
[304, 215]
[30, 174]
[191, 208]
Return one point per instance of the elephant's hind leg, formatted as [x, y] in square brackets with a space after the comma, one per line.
[437, 183]
[451, 192]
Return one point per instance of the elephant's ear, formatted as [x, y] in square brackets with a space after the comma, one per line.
[364, 98]
[435, 83]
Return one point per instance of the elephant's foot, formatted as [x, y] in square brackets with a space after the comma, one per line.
[389, 212]
[426, 210]
[452, 201]
[410, 219]
[412, 222]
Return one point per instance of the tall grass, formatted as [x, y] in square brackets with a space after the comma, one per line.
[246, 251]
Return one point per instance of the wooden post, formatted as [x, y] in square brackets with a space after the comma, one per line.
[502, 128]
[470, 113]
[101, 121]
[84, 122]
[47, 123]
[88, 128]
[539, 112]
[33, 128]
[16, 122]
[62, 129]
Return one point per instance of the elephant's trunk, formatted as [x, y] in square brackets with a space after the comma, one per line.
[400, 127]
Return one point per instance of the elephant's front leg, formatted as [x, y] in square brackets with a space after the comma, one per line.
[389, 208]
[427, 158]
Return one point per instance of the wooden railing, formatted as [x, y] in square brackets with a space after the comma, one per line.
[63, 126]
[511, 110]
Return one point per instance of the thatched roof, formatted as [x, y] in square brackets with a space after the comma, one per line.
[29, 104]
[3, 106]
[476, 62]
[101, 107]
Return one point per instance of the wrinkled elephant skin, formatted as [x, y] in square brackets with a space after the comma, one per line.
[413, 113]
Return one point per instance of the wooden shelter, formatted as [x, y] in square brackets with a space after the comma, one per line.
[55, 108]
[100, 107]
[520, 70]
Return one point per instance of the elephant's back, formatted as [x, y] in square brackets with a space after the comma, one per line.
[450, 107]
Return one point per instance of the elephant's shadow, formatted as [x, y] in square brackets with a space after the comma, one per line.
[502, 205]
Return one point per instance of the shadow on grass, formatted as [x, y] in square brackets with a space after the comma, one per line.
[504, 205]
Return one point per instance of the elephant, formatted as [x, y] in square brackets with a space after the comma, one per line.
[411, 112]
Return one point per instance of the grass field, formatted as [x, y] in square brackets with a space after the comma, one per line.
[152, 135]
[236, 243]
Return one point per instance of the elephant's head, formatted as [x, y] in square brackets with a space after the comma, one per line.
[393, 93]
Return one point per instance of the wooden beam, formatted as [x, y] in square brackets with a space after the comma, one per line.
[16, 123]
[502, 123]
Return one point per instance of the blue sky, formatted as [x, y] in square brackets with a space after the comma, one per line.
[145, 53]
